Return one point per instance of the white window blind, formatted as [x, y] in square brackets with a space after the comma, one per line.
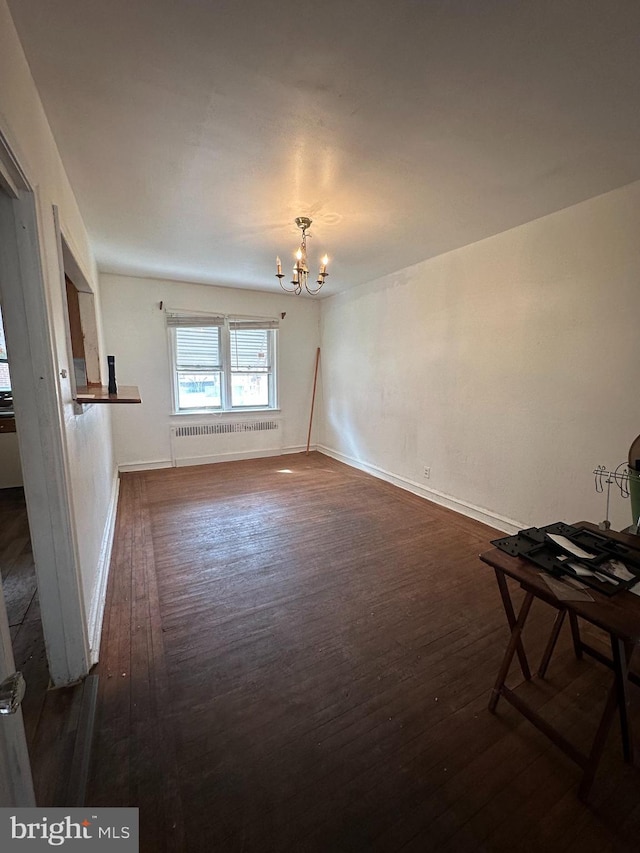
[177, 318]
[250, 350]
[3, 345]
[5, 380]
[198, 348]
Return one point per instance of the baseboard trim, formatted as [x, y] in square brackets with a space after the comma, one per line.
[499, 522]
[237, 457]
[96, 611]
[211, 459]
[144, 466]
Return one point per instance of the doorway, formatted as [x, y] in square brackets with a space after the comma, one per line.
[42, 543]
[17, 566]
[39, 420]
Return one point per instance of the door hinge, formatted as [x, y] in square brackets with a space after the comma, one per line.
[12, 693]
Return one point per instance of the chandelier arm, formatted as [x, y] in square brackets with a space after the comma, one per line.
[288, 289]
[313, 292]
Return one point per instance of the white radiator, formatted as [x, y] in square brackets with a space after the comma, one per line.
[224, 428]
[197, 444]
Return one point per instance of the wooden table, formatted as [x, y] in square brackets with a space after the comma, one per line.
[617, 615]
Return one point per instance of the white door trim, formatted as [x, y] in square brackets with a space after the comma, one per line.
[40, 423]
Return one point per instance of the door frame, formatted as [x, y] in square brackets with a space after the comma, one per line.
[40, 422]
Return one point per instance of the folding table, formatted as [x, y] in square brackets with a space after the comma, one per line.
[617, 615]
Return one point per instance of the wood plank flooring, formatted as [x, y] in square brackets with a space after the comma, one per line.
[21, 599]
[298, 657]
[53, 721]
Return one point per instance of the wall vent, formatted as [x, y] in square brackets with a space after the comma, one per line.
[225, 428]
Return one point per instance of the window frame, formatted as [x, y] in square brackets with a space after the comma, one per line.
[176, 410]
[226, 372]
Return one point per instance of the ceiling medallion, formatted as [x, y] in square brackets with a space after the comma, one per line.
[300, 269]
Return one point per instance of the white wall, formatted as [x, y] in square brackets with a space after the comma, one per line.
[510, 367]
[136, 334]
[87, 437]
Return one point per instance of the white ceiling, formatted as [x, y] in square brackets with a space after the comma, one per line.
[194, 132]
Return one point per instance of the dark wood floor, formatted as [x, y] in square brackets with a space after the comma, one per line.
[298, 657]
[52, 718]
[21, 598]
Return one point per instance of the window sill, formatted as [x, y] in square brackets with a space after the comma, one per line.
[100, 394]
[200, 413]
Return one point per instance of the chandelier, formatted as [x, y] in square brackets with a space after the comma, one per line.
[300, 277]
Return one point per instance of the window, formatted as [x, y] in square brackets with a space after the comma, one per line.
[222, 364]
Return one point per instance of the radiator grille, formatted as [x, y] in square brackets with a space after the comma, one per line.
[225, 428]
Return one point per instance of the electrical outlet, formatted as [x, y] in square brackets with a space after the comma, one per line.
[427, 472]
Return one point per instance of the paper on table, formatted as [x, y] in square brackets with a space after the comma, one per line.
[567, 545]
[618, 569]
[605, 578]
[581, 571]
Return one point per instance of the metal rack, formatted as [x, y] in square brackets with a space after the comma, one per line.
[619, 478]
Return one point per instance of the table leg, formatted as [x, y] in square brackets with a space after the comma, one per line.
[553, 639]
[618, 698]
[514, 644]
[575, 634]
[598, 743]
[511, 619]
[621, 652]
